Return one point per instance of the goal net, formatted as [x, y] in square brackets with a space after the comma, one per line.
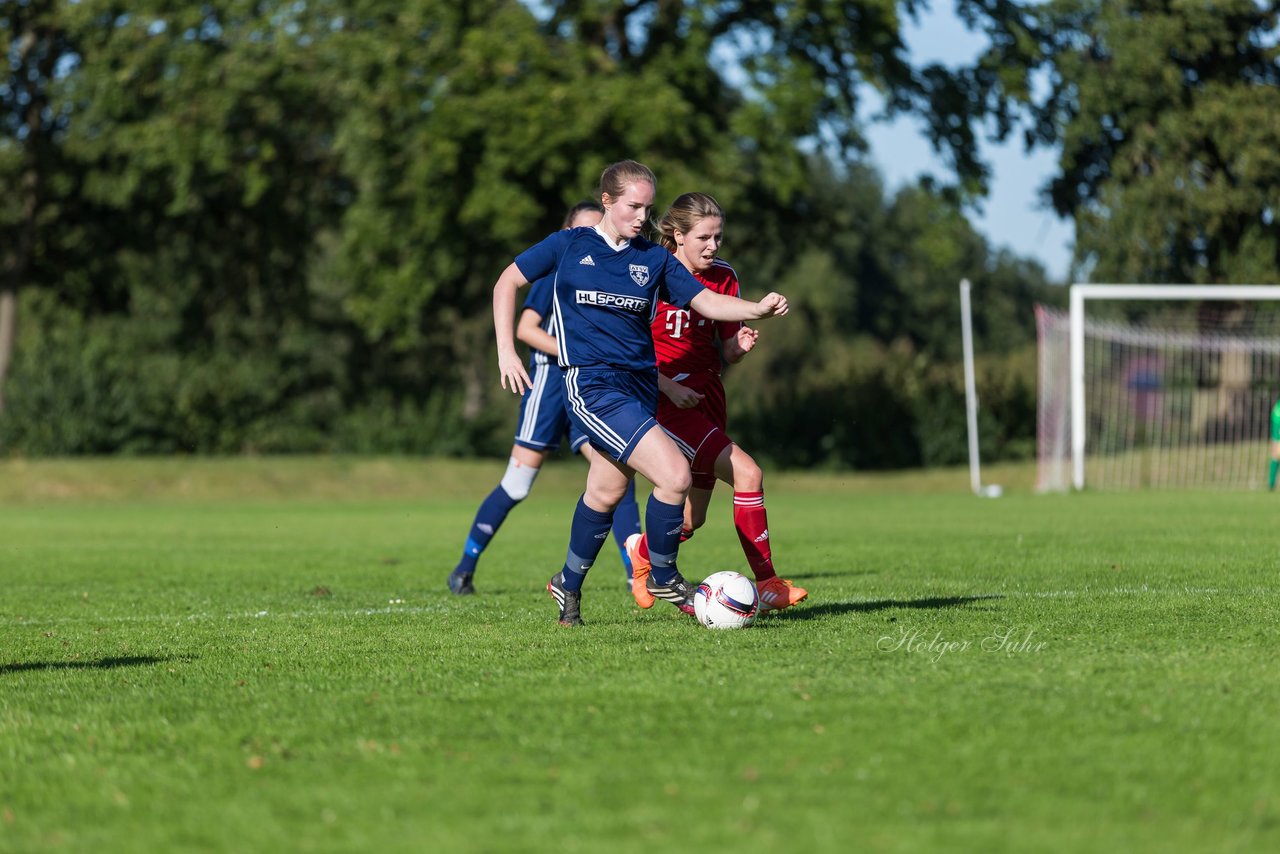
[1181, 398]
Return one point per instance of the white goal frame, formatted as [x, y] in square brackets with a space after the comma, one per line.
[1079, 293]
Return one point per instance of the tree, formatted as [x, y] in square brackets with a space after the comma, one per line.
[36, 47]
[771, 74]
[275, 225]
[464, 142]
[1166, 114]
[194, 181]
[865, 373]
[464, 134]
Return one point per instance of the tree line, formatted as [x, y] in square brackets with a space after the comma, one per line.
[237, 226]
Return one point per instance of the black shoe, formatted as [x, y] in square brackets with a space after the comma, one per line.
[677, 591]
[460, 583]
[568, 600]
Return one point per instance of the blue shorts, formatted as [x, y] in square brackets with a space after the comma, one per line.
[613, 408]
[543, 420]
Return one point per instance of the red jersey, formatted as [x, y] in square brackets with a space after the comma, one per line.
[685, 341]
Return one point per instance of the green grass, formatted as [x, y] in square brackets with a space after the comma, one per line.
[260, 655]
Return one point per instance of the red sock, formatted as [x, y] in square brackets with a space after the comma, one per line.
[752, 522]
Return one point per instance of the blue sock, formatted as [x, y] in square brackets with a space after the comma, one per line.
[626, 521]
[586, 536]
[489, 518]
[662, 524]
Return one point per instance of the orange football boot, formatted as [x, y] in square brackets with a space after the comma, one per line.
[639, 572]
[778, 593]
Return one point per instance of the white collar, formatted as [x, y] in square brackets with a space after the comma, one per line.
[622, 243]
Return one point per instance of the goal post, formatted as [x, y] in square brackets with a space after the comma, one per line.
[1164, 390]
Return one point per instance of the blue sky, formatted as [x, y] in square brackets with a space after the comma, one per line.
[1012, 215]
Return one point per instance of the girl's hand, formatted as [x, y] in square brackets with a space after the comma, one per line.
[773, 305]
[514, 376]
[682, 396]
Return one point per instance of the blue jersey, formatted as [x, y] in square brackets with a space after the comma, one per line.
[605, 298]
[539, 300]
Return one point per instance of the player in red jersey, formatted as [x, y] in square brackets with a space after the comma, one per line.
[691, 406]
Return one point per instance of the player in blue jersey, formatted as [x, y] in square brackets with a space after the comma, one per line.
[542, 424]
[608, 280]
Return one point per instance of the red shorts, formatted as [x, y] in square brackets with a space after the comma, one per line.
[698, 432]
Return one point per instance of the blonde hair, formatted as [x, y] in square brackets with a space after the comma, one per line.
[616, 177]
[684, 214]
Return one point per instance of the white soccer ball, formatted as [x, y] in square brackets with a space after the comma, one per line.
[726, 600]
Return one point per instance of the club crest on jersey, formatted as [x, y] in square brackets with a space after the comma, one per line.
[639, 274]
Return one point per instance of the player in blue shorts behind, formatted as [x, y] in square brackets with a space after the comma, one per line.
[542, 424]
[607, 281]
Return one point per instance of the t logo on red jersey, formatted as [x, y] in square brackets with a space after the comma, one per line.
[677, 321]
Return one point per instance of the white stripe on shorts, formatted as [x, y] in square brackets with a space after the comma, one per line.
[685, 447]
[602, 430]
[529, 423]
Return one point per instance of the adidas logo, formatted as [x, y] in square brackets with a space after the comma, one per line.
[763, 537]
[675, 531]
[586, 261]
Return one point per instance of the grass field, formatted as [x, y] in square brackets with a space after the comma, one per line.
[261, 655]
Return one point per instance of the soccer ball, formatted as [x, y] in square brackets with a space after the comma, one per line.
[726, 600]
